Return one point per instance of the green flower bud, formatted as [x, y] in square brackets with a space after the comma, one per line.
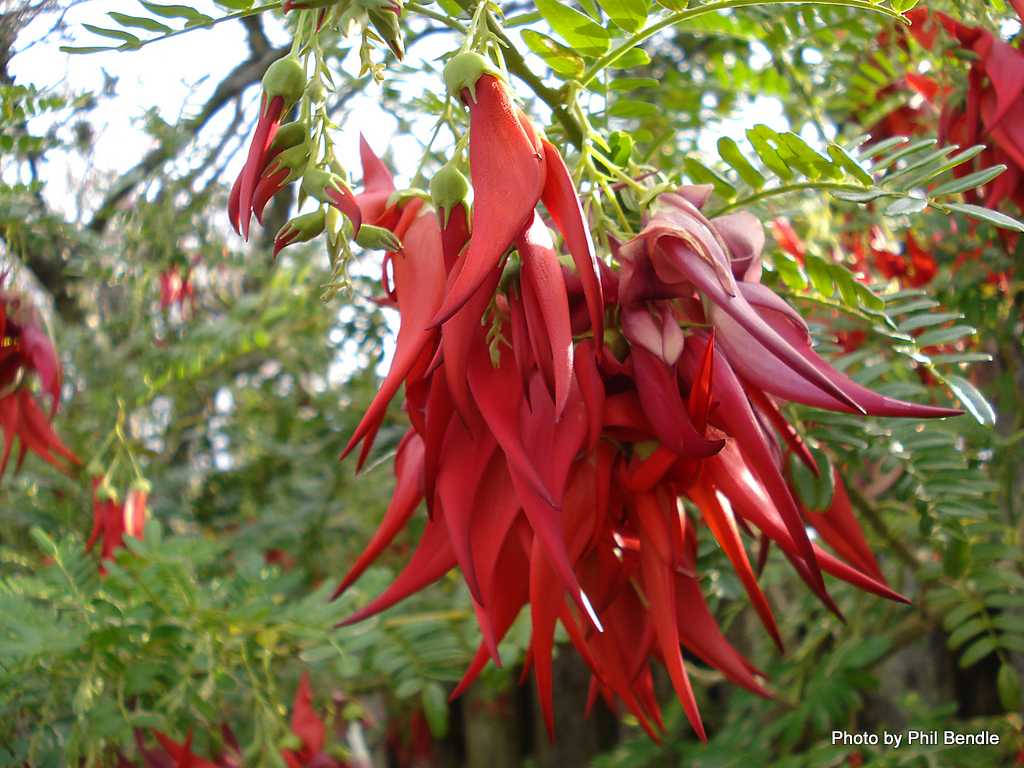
[387, 27]
[285, 78]
[377, 238]
[448, 188]
[290, 135]
[463, 70]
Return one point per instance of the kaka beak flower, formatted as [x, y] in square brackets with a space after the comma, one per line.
[283, 85]
[26, 352]
[113, 521]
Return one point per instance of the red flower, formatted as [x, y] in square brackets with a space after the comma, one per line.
[113, 521]
[308, 733]
[26, 353]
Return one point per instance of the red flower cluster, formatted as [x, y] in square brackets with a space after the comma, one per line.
[560, 462]
[27, 354]
[992, 111]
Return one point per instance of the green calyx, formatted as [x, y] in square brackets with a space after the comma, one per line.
[285, 78]
[463, 70]
[448, 188]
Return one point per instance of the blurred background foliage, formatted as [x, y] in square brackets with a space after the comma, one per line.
[231, 385]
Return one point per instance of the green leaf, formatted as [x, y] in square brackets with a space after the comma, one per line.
[906, 149]
[673, 5]
[970, 181]
[905, 206]
[139, 22]
[957, 558]
[701, 174]
[971, 399]
[582, 33]
[562, 60]
[858, 196]
[629, 15]
[902, 6]
[939, 336]
[926, 319]
[874, 150]
[117, 34]
[625, 108]
[730, 152]
[976, 652]
[818, 272]
[187, 12]
[1008, 685]
[789, 270]
[85, 48]
[435, 709]
[759, 137]
[815, 491]
[622, 84]
[635, 57]
[841, 158]
[985, 214]
[620, 147]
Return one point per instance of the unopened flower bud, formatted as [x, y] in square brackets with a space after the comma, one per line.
[377, 238]
[290, 135]
[448, 188]
[386, 24]
[329, 188]
[299, 230]
[285, 78]
[463, 70]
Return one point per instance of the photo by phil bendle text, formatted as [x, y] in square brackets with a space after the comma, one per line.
[921, 738]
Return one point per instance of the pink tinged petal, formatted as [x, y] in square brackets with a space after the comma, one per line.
[404, 500]
[696, 194]
[754, 362]
[507, 169]
[419, 286]
[767, 408]
[432, 559]
[653, 326]
[720, 304]
[663, 405]
[542, 273]
[723, 528]
[564, 206]
[743, 235]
